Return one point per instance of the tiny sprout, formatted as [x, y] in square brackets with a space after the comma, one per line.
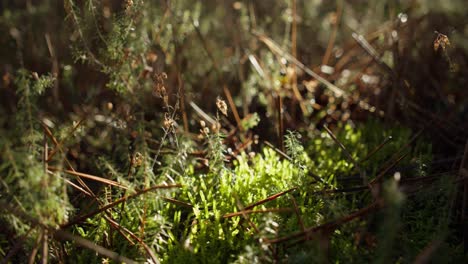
[441, 41]
[222, 106]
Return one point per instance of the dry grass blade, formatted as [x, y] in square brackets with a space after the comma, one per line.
[256, 65]
[270, 198]
[148, 250]
[77, 187]
[243, 210]
[45, 247]
[253, 226]
[113, 204]
[376, 149]
[247, 143]
[232, 106]
[361, 40]
[277, 49]
[91, 177]
[384, 171]
[298, 213]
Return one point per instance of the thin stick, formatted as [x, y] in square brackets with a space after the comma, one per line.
[240, 213]
[375, 150]
[376, 179]
[295, 89]
[33, 254]
[91, 177]
[44, 154]
[45, 247]
[284, 155]
[331, 40]
[233, 107]
[182, 102]
[59, 148]
[243, 210]
[270, 198]
[145, 246]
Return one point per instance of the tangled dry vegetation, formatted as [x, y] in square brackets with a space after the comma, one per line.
[234, 131]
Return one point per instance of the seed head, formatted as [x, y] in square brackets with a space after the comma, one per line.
[222, 106]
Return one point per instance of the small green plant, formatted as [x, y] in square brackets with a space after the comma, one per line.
[100, 146]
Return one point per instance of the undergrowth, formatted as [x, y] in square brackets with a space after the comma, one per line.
[180, 132]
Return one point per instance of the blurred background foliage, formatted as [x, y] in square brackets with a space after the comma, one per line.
[118, 88]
